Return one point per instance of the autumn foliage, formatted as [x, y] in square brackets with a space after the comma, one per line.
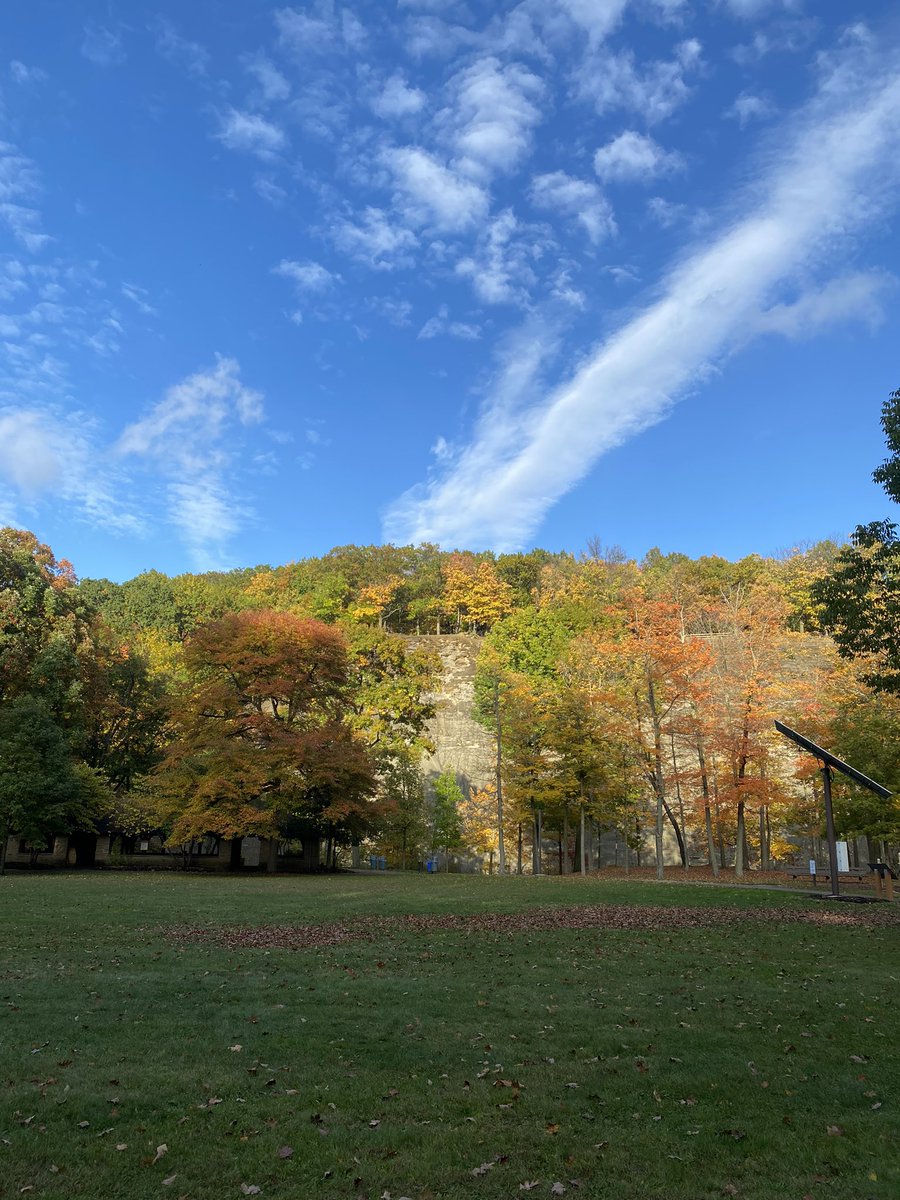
[261, 731]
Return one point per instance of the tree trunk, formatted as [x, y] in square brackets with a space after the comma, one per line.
[538, 836]
[659, 838]
[720, 836]
[741, 842]
[582, 851]
[234, 861]
[682, 841]
[657, 777]
[519, 852]
[501, 852]
[763, 840]
[707, 813]
[679, 835]
[565, 867]
[6, 836]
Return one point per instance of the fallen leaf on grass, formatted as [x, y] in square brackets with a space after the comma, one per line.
[558, 1189]
[552, 1128]
[286, 1152]
[236, 1048]
[160, 1151]
[169, 1181]
[529, 1184]
[122, 1146]
[729, 1189]
[834, 1131]
[250, 1189]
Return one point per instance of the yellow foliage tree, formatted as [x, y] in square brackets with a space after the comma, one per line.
[475, 593]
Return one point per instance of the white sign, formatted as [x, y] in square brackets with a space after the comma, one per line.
[843, 857]
[812, 866]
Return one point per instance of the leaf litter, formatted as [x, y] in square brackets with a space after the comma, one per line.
[637, 918]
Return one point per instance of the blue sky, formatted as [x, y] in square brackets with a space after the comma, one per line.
[274, 279]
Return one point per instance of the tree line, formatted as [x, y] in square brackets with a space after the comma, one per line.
[288, 701]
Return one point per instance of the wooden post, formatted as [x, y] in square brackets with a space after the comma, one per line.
[829, 831]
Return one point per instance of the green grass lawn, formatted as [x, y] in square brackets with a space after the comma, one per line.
[755, 1059]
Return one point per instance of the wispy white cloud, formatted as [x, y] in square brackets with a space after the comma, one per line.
[858, 296]
[576, 198]
[48, 455]
[397, 311]
[788, 36]
[375, 240]
[441, 324]
[597, 18]
[188, 56]
[747, 108]
[193, 414]
[138, 297]
[613, 80]
[18, 190]
[272, 85]
[320, 29]
[250, 133]
[490, 120]
[270, 191]
[666, 213]
[397, 99]
[431, 194]
[829, 172]
[103, 46]
[749, 10]
[188, 438]
[501, 267]
[22, 74]
[634, 156]
[307, 276]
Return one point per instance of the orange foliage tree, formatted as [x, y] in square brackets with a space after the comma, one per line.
[261, 733]
[651, 671]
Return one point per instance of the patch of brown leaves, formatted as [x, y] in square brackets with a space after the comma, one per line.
[647, 918]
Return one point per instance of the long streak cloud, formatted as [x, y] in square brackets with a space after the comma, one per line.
[835, 168]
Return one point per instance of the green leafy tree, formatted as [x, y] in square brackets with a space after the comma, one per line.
[859, 599]
[42, 792]
[888, 474]
[446, 823]
[403, 813]
[859, 603]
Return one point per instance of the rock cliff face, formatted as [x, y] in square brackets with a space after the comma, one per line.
[466, 748]
[461, 744]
